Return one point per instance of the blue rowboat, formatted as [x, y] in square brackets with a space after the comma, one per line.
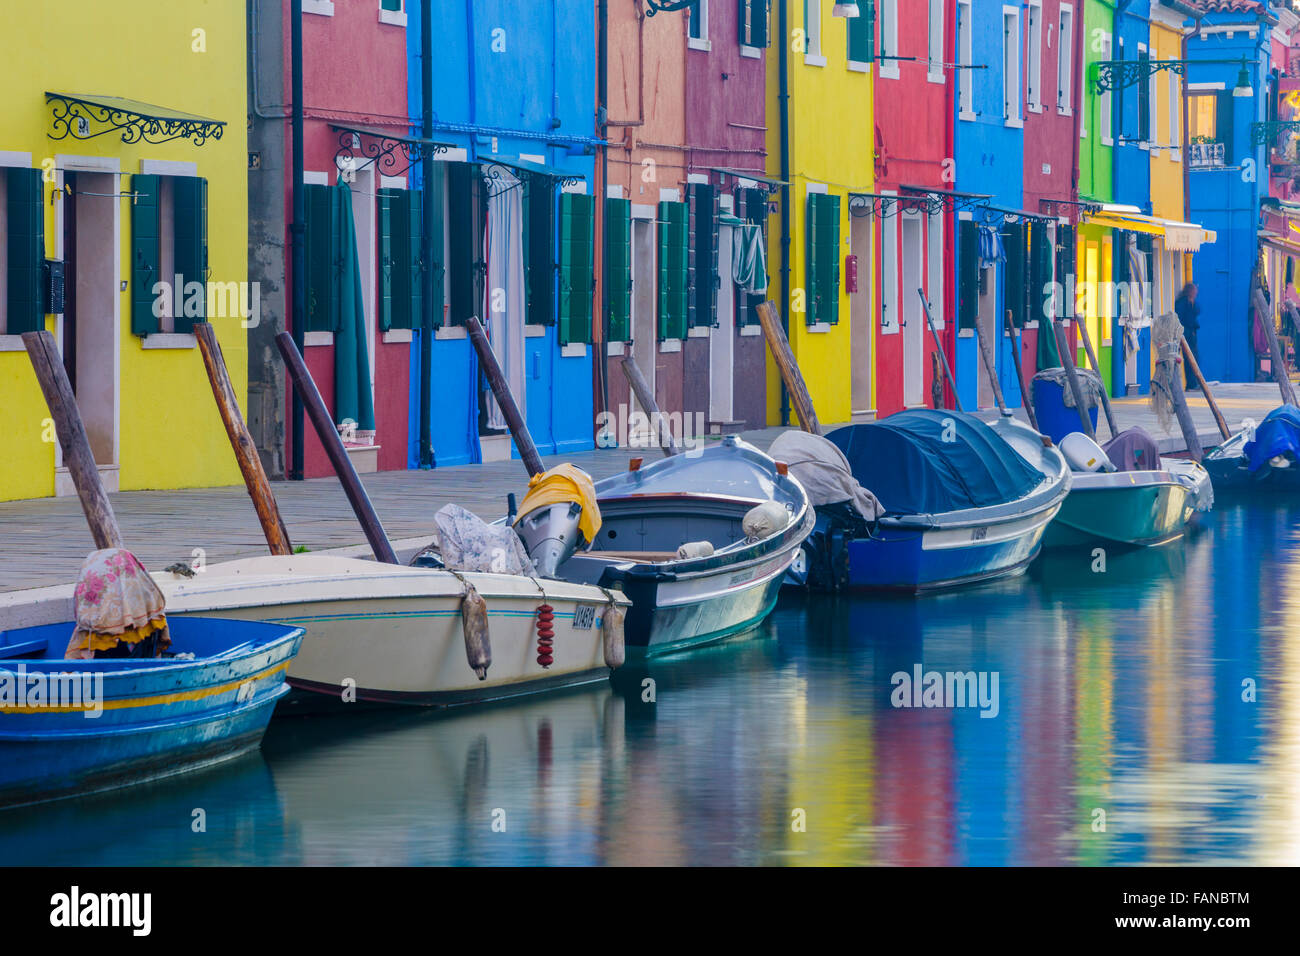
[78, 726]
[961, 505]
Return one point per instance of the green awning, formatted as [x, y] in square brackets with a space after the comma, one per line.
[84, 116]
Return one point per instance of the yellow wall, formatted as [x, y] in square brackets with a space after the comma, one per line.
[1166, 172]
[831, 142]
[169, 433]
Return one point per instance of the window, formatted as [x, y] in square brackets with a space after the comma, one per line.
[822, 281]
[22, 243]
[539, 252]
[392, 12]
[812, 28]
[1104, 121]
[1209, 128]
[1034, 64]
[672, 270]
[1011, 65]
[576, 273]
[968, 274]
[702, 255]
[965, 75]
[934, 264]
[401, 278]
[1065, 60]
[697, 25]
[1146, 99]
[466, 268]
[888, 38]
[618, 267]
[862, 35]
[171, 208]
[934, 64]
[753, 23]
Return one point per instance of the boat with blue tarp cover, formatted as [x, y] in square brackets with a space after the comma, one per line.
[1263, 458]
[69, 727]
[957, 504]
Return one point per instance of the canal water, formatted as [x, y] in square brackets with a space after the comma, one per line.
[1146, 712]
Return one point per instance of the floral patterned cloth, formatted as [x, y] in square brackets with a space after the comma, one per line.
[117, 605]
[468, 543]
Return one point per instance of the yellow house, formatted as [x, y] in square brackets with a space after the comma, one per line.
[123, 139]
[1171, 266]
[822, 146]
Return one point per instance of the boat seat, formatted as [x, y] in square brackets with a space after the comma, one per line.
[22, 649]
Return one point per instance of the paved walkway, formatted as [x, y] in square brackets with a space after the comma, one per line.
[43, 541]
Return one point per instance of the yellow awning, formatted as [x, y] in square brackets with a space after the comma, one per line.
[1178, 236]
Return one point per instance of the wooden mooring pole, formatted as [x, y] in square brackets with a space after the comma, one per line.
[328, 434]
[505, 399]
[641, 388]
[71, 432]
[1026, 398]
[241, 442]
[789, 368]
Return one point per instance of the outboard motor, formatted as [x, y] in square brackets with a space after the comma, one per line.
[551, 535]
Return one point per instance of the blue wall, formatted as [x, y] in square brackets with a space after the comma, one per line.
[1227, 201]
[505, 72]
[990, 160]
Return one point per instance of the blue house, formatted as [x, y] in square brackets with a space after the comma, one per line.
[991, 106]
[1226, 173]
[514, 91]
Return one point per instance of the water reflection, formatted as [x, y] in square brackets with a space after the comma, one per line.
[1124, 734]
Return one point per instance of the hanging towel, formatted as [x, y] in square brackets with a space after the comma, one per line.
[748, 262]
[991, 250]
[353, 398]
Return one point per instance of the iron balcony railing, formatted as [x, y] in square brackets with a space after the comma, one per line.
[1205, 155]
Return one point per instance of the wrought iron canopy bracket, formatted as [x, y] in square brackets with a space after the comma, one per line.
[1268, 132]
[385, 153]
[932, 202]
[1117, 74]
[72, 116]
[667, 6]
[1074, 208]
[496, 172]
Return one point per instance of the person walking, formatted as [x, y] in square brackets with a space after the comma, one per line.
[1188, 313]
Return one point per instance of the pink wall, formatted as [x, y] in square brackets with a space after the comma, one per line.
[354, 74]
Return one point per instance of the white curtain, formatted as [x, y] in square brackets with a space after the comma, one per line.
[503, 294]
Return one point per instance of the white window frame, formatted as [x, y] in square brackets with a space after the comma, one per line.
[965, 50]
[935, 272]
[1175, 117]
[889, 38]
[1104, 102]
[1034, 57]
[323, 8]
[702, 41]
[934, 43]
[812, 33]
[1012, 113]
[889, 258]
[1065, 61]
[396, 18]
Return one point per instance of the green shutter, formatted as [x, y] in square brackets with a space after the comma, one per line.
[1015, 284]
[1040, 272]
[1223, 124]
[430, 314]
[190, 218]
[672, 270]
[319, 232]
[146, 251]
[410, 225]
[618, 267]
[539, 251]
[829, 270]
[25, 256]
[968, 273]
[862, 34]
[385, 200]
[462, 233]
[575, 267]
[812, 262]
[1144, 99]
[702, 256]
[393, 5]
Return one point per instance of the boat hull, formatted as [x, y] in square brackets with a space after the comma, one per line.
[159, 717]
[1138, 515]
[918, 559]
[676, 612]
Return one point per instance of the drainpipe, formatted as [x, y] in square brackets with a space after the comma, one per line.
[431, 308]
[602, 124]
[297, 228]
[783, 102]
